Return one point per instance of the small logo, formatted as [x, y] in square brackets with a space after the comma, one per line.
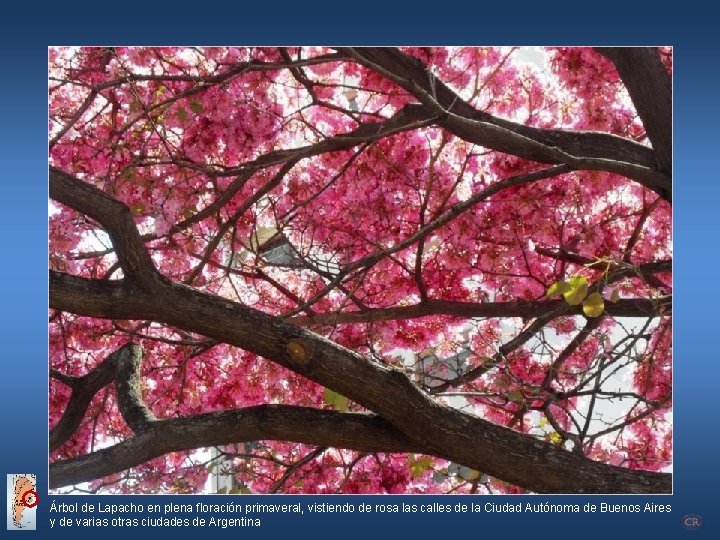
[692, 522]
[22, 498]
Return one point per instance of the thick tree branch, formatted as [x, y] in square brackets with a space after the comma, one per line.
[355, 431]
[461, 437]
[650, 88]
[104, 296]
[129, 389]
[580, 150]
[115, 217]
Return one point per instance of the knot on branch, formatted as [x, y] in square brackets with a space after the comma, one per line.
[128, 388]
[299, 352]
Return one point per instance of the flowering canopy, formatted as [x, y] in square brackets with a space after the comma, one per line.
[360, 270]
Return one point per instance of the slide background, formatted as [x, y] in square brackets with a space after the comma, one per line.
[29, 30]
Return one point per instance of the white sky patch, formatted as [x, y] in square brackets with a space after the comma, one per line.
[534, 56]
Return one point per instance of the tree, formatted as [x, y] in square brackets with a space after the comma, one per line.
[361, 269]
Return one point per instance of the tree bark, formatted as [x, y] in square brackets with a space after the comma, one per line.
[581, 150]
[463, 438]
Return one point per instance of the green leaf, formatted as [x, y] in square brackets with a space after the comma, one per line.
[558, 288]
[335, 400]
[593, 306]
[578, 290]
[417, 468]
[196, 106]
[182, 114]
[515, 395]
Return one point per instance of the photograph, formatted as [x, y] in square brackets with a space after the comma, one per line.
[336, 270]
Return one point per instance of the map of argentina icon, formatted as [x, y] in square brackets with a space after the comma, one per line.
[21, 500]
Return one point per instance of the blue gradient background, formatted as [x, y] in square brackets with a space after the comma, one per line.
[23, 388]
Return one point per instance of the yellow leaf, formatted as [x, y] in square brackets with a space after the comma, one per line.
[555, 437]
[593, 306]
[578, 290]
[557, 288]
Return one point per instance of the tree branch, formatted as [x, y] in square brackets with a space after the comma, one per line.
[83, 390]
[580, 150]
[115, 217]
[626, 307]
[355, 431]
[425, 230]
[650, 89]
[459, 436]
[129, 389]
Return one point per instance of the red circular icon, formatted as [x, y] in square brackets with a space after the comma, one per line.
[29, 493]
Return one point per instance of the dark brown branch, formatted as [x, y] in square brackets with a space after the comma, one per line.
[581, 150]
[438, 429]
[83, 390]
[447, 217]
[635, 307]
[355, 431]
[644, 271]
[650, 89]
[300, 463]
[659, 307]
[115, 217]
[401, 121]
[71, 291]
[590, 326]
